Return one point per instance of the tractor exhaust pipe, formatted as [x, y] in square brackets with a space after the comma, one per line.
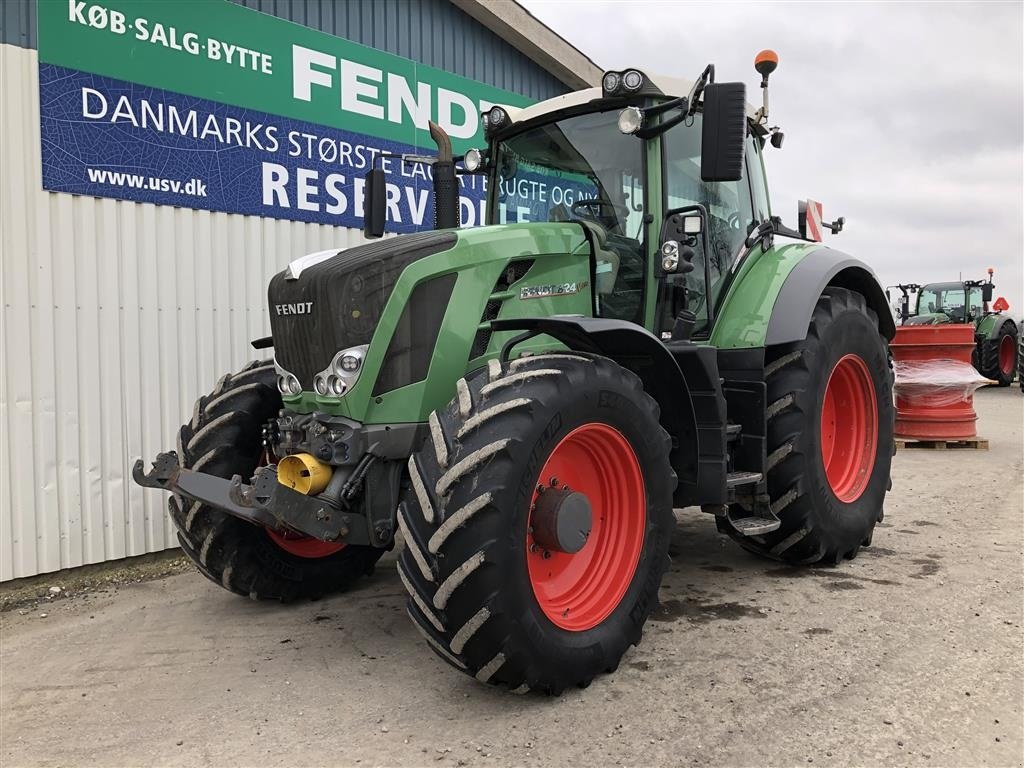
[446, 184]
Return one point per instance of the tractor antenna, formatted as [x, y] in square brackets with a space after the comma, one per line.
[765, 63]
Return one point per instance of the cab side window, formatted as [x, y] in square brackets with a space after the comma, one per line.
[729, 206]
[758, 184]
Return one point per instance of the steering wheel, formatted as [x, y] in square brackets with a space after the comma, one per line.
[590, 208]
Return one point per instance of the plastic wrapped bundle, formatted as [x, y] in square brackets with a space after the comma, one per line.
[935, 399]
[942, 382]
[935, 382]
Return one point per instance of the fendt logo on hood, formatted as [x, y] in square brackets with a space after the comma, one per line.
[301, 308]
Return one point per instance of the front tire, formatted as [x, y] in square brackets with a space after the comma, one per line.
[490, 597]
[830, 435]
[224, 439]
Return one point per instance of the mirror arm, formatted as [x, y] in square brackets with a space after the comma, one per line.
[707, 76]
[665, 106]
[660, 128]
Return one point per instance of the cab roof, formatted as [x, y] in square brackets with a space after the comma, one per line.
[671, 87]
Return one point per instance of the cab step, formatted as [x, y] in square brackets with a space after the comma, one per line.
[736, 479]
[753, 525]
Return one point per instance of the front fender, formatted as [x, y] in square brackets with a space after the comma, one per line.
[637, 349]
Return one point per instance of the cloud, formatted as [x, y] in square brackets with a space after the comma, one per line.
[908, 119]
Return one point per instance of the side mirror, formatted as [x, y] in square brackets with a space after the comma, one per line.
[374, 203]
[724, 132]
[986, 291]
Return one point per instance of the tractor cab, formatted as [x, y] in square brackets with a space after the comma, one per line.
[946, 303]
[965, 301]
[630, 161]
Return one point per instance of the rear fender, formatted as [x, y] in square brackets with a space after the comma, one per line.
[821, 269]
[637, 349]
[992, 325]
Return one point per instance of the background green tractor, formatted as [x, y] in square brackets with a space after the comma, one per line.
[968, 301]
[633, 331]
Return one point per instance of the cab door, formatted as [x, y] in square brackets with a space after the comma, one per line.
[731, 217]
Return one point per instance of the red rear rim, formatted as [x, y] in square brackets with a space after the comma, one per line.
[579, 591]
[299, 544]
[1006, 355]
[849, 428]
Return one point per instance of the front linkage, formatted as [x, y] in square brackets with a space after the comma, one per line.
[266, 502]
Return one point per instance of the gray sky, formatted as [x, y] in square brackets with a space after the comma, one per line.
[907, 119]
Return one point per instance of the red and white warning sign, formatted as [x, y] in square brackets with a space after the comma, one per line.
[810, 220]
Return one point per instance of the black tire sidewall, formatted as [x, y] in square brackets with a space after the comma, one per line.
[996, 373]
[851, 332]
[603, 405]
[259, 568]
[536, 651]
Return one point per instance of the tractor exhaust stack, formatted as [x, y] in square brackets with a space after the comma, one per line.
[446, 185]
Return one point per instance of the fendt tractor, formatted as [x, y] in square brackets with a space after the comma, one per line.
[968, 301]
[528, 401]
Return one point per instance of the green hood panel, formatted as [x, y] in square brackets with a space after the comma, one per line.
[561, 268]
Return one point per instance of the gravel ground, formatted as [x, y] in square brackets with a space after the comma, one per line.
[910, 654]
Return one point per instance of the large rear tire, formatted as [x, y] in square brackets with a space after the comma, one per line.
[998, 355]
[490, 597]
[224, 439]
[1020, 362]
[830, 435]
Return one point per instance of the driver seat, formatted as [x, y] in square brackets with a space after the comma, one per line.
[606, 261]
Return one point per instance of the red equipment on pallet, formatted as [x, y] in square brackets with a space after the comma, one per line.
[935, 382]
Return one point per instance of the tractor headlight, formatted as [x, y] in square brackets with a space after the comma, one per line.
[610, 82]
[495, 118]
[631, 120]
[289, 385]
[632, 80]
[348, 361]
[473, 160]
[343, 372]
[287, 382]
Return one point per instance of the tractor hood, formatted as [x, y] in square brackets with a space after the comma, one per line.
[332, 300]
[394, 294]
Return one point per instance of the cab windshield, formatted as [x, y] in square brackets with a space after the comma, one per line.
[581, 169]
[949, 299]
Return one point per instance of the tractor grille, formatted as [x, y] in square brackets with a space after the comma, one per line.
[336, 304]
[412, 345]
[513, 273]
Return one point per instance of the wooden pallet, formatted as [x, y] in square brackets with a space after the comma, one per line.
[971, 443]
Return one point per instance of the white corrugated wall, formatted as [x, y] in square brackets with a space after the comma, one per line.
[116, 315]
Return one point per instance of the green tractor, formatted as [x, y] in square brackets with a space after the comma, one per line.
[968, 301]
[528, 401]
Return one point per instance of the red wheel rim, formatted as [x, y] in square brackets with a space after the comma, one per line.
[579, 591]
[1006, 355]
[849, 428]
[299, 544]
